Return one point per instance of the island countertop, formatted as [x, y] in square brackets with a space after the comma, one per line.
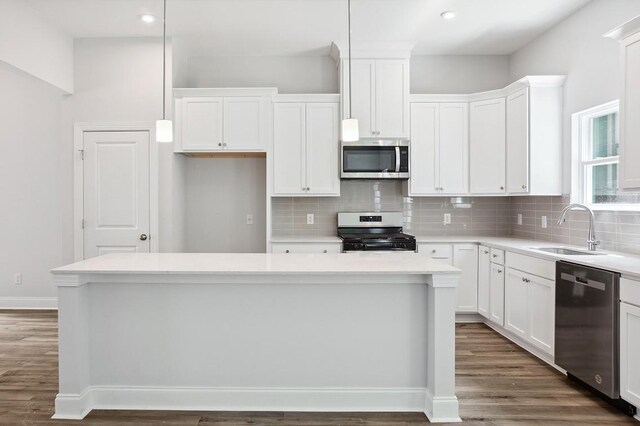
[259, 264]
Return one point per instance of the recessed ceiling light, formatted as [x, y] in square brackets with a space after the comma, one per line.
[148, 19]
[449, 14]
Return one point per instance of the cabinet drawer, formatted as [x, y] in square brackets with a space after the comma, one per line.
[306, 247]
[630, 291]
[532, 265]
[497, 256]
[442, 252]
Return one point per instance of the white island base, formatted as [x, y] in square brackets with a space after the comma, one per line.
[257, 332]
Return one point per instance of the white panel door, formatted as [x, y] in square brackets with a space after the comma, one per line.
[391, 101]
[289, 149]
[453, 148]
[497, 294]
[630, 353]
[322, 136]
[541, 297]
[424, 154]
[441, 252]
[484, 280]
[243, 124]
[516, 303]
[116, 192]
[518, 142]
[630, 114]
[465, 258]
[202, 124]
[363, 94]
[487, 146]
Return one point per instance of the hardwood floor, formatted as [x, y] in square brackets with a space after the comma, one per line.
[497, 384]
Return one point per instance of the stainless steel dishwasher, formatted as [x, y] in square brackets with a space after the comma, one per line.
[587, 328]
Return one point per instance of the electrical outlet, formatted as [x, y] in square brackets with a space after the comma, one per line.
[249, 219]
[310, 219]
[519, 218]
[543, 221]
[17, 278]
[447, 219]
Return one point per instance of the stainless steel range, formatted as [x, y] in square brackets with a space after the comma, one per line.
[374, 232]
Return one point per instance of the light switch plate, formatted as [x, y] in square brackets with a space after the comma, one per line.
[17, 278]
[310, 218]
[249, 219]
[447, 219]
[519, 218]
[544, 221]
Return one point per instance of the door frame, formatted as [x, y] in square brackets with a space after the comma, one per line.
[78, 179]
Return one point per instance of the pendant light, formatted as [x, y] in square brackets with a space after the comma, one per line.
[350, 132]
[164, 127]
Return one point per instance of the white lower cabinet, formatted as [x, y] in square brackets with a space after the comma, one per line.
[443, 252]
[496, 294]
[530, 308]
[306, 247]
[630, 341]
[465, 258]
[484, 280]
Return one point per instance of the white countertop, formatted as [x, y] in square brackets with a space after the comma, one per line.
[259, 263]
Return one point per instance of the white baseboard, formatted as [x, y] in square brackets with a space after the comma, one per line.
[28, 303]
[441, 409]
[74, 407]
[468, 317]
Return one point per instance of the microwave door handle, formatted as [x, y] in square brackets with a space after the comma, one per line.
[397, 159]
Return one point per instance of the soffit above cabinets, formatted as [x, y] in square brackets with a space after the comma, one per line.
[284, 27]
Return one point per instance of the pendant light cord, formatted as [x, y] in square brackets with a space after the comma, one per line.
[349, 16]
[164, 58]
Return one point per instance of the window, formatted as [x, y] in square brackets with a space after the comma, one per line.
[595, 165]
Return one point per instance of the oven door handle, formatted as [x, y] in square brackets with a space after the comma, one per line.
[397, 159]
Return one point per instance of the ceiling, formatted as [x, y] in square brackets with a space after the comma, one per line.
[286, 27]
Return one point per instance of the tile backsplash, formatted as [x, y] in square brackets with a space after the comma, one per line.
[618, 231]
[487, 216]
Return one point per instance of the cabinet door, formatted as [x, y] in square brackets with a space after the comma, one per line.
[630, 113]
[518, 142]
[541, 297]
[484, 280]
[497, 294]
[363, 94]
[201, 124]
[392, 98]
[322, 127]
[465, 258]
[453, 148]
[442, 252]
[630, 353]
[424, 142]
[289, 148]
[487, 146]
[515, 303]
[243, 124]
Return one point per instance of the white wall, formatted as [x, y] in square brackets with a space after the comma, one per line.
[33, 45]
[33, 237]
[575, 47]
[459, 74]
[220, 194]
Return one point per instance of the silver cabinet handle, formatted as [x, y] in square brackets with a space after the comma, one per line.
[433, 251]
[325, 251]
[524, 186]
[486, 252]
[308, 189]
[143, 237]
[286, 251]
[499, 271]
[219, 143]
[495, 255]
[502, 188]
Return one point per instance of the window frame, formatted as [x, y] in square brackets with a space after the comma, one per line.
[581, 146]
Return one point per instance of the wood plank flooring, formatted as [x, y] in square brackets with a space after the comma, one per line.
[497, 384]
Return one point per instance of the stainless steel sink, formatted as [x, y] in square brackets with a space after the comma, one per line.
[568, 251]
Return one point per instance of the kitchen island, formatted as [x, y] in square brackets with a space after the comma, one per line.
[257, 332]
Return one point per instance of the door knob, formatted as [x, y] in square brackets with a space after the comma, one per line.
[143, 237]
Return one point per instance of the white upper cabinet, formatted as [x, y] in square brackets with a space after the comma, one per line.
[518, 142]
[305, 148]
[628, 34]
[380, 96]
[233, 121]
[488, 146]
[439, 149]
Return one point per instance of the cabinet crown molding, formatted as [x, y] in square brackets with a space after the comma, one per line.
[372, 50]
[224, 91]
[624, 30]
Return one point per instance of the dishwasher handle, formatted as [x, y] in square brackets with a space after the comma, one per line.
[598, 285]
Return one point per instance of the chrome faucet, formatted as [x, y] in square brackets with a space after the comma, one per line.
[592, 243]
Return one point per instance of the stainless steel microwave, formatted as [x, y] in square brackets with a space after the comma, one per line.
[375, 159]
